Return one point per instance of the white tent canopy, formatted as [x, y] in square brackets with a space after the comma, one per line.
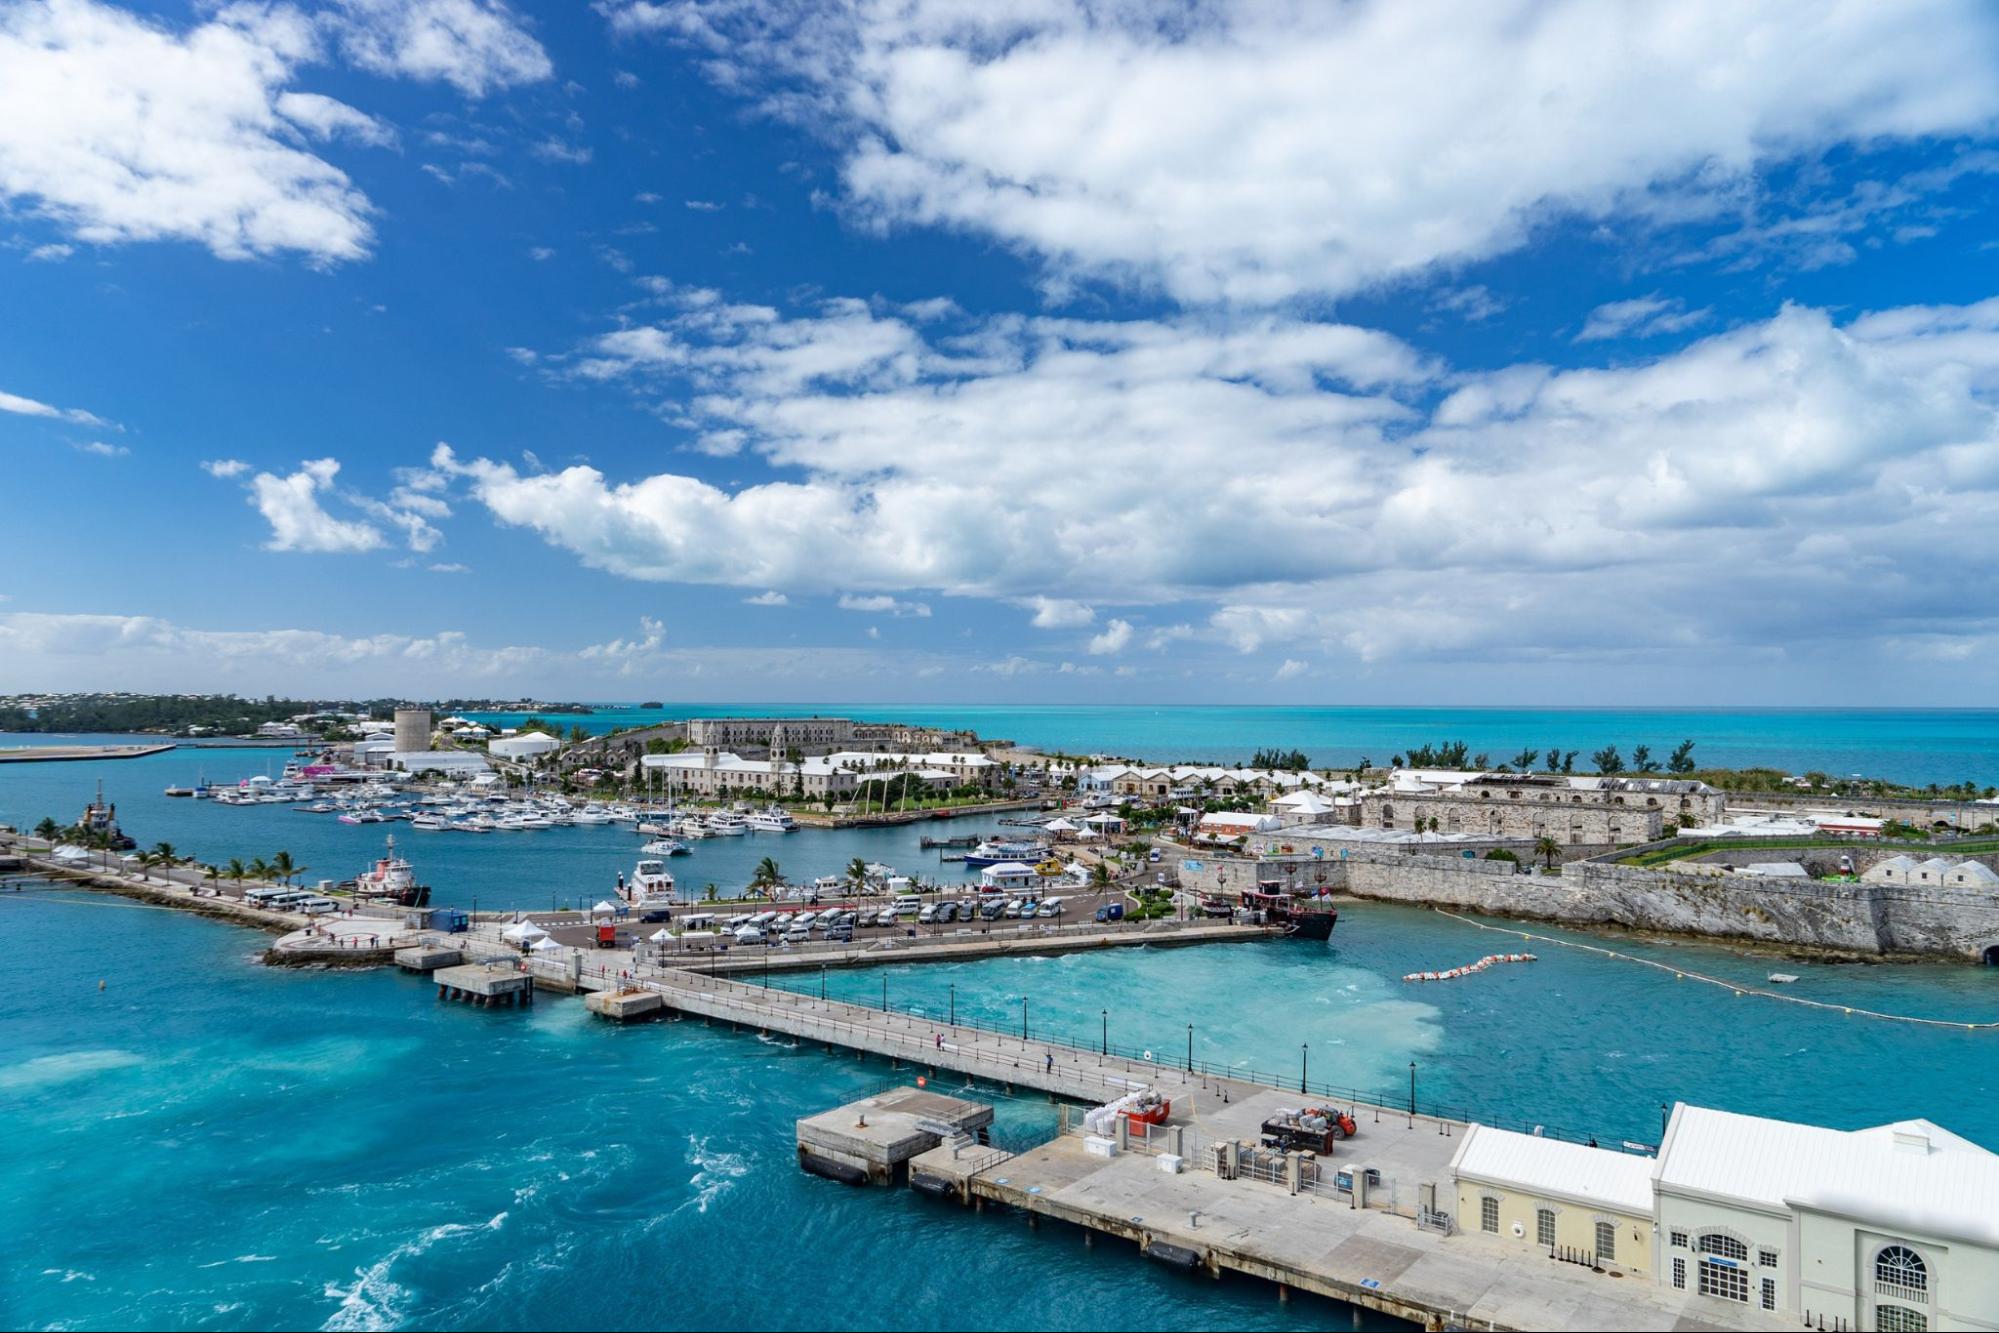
[605, 905]
[1059, 826]
[543, 944]
[661, 935]
[1304, 803]
[524, 932]
[1105, 818]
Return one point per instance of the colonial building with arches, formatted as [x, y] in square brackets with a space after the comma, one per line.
[1892, 1228]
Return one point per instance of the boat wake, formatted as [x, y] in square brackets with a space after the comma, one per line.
[376, 1300]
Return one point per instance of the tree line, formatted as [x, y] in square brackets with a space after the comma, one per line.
[1608, 760]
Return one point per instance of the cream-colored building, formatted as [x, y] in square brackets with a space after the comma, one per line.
[1557, 1198]
[1891, 1228]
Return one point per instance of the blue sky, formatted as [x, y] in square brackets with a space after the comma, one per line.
[1429, 353]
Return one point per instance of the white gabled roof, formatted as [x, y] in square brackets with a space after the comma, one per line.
[1908, 1176]
[1618, 1180]
[1005, 868]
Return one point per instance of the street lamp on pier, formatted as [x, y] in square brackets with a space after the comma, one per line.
[1304, 1062]
[1190, 1048]
[954, 1004]
[1107, 1032]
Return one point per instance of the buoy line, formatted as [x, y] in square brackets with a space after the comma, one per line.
[1685, 974]
[1470, 968]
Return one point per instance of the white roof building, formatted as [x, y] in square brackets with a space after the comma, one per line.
[1893, 1227]
[527, 745]
[451, 763]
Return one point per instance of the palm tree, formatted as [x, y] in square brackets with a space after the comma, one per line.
[165, 856]
[767, 877]
[1547, 849]
[1100, 875]
[857, 874]
[48, 830]
[237, 870]
[260, 869]
[284, 868]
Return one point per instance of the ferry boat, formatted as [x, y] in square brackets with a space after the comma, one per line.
[428, 822]
[772, 819]
[999, 851]
[665, 847]
[727, 824]
[390, 879]
[649, 887]
[1302, 916]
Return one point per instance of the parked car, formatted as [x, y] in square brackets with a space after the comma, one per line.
[749, 935]
[926, 914]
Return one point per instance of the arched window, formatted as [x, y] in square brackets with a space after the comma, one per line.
[1723, 1244]
[1544, 1227]
[1606, 1240]
[1899, 1271]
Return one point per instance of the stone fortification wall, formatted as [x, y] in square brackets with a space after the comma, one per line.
[1871, 919]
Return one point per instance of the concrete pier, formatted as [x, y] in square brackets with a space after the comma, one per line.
[484, 985]
[624, 1005]
[428, 957]
[872, 1141]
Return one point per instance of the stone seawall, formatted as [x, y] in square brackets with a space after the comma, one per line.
[1875, 920]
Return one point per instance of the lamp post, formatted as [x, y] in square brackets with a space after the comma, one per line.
[1190, 1048]
[1023, 1020]
[1412, 1087]
[1107, 1032]
[1304, 1062]
[884, 992]
[822, 983]
[954, 1004]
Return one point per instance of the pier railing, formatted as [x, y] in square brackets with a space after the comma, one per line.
[1137, 1066]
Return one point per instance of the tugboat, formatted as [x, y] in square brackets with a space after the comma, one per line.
[1303, 917]
[102, 818]
[391, 880]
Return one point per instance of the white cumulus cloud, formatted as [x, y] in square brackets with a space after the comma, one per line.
[1252, 152]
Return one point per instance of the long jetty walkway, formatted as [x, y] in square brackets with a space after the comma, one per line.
[1309, 1238]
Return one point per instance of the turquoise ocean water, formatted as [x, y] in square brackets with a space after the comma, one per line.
[1905, 745]
[208, 1143]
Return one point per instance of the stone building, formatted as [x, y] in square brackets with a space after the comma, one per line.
[1535, 805]
[776, 734]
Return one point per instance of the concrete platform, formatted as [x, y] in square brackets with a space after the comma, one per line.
[428, 957]
[949, 1168]
[624, 1005]
[483, 985]
[872, 1141]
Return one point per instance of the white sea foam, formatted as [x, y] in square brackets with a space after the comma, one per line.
[45, 1070]
[715, 1172]
[377, 1301]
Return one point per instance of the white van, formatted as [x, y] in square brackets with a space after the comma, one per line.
[927, 913]
[907, 904]
[317, 906]
[750, 935]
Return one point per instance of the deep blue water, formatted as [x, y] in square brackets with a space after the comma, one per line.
[1917, 746]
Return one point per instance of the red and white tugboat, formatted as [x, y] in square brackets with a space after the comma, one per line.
[391, 880]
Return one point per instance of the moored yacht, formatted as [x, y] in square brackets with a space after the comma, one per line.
[649, 887]
[772, 819]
